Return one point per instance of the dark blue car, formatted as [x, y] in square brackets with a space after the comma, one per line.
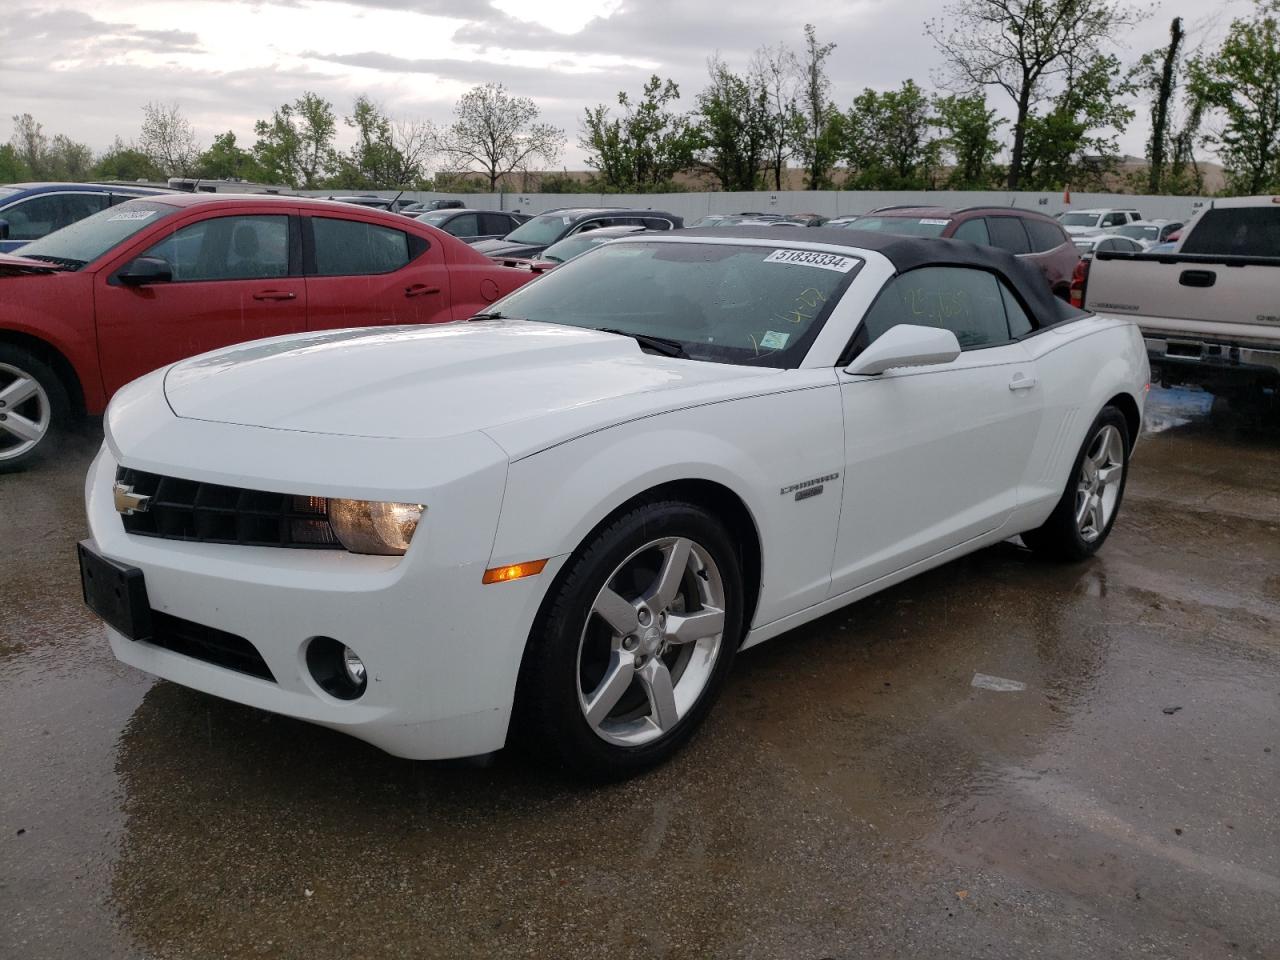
[28, 211]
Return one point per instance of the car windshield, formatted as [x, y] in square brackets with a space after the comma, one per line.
[727, 303]
[1079, 219]
[903, 226]
[1139, 233]
[570, 247]
[86, 240]
[541, 230]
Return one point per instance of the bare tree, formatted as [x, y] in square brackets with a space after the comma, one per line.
[1023, 47]
[417, 142]
[774, 69]
[168, 139]
[495, 133]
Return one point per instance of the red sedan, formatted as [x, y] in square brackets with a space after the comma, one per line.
[87, 309]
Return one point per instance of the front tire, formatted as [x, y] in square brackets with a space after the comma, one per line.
[33, 408]
[634, 641]
[1083, 518]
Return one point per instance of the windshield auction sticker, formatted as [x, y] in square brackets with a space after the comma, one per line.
[811, 258]
[132, 215]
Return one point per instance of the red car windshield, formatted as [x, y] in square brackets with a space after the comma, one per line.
[86, 240]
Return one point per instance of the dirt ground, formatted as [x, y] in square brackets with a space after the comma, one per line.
[854, 794]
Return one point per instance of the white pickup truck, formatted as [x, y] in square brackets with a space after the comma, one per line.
[1209, 309]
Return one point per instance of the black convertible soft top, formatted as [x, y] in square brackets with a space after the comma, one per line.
[908, 253]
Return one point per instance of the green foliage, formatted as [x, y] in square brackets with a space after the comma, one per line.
[563, 183]
[1240, 82]
[1156, 74]
[295, 146]
[31, 153]
[645, 148]
[734, 128]
[12, 169]
[969, 140]
[816, 123]
[1074, 142]
[495, 134]
[225, 160]
[888, 142]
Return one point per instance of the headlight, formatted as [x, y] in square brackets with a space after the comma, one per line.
[371, 526]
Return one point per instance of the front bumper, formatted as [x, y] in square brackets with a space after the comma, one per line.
[442, 650]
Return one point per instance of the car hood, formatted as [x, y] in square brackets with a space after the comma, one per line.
[504, 248]
[435, 381]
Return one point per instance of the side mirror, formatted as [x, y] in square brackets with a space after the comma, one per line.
[906, 345]
[4, 229]
[145, 270]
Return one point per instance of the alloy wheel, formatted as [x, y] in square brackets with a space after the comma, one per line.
[25, 412]
[651, 641]
[1098, 485]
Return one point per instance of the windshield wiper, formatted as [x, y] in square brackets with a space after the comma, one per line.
[65, 262]
[491, 315]
[668, 348]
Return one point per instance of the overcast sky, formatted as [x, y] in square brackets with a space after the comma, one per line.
[85, 68]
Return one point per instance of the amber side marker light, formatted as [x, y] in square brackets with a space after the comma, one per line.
[515, 571]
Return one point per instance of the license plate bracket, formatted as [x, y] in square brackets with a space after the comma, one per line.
[116, 592]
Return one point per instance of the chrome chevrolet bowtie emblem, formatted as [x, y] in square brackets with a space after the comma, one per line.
[128, 502]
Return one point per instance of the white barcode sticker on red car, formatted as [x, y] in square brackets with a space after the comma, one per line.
[132, 215]
[811, 258]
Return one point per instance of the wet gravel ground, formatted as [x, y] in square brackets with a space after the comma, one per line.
[854, 795]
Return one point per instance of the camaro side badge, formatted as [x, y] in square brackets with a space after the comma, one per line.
[808, 488]
[128, 502]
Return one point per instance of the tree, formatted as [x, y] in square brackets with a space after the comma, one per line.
[647, 146]
[68, 159]
[12, 169]
[1157, 74]
[226, 160]
[1025, 48]
[296, 145]
[1240, 82]
[816, 124]
[969, 138]
[734, 127]
[168, 139]
[30, 146]
[774, 69]
[1072, 142]
[387, 153]
[887, 140]
[495, 133]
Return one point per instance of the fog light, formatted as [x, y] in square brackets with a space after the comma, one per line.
[354, 666]
[336, 668]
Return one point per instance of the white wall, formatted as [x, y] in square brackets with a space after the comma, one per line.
[828, 203]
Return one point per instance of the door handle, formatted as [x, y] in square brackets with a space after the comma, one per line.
[1198, 278]
[1021, 381]
[275, 295]
[419, 289]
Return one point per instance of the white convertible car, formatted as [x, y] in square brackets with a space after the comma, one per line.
[560, 520]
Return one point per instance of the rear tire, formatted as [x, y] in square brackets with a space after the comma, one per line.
[34, 409]
[633, 643]
[1083, 518]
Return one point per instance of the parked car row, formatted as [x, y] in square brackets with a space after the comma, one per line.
[29, 211]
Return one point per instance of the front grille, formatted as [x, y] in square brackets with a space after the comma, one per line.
[211, 513]
[208, 644]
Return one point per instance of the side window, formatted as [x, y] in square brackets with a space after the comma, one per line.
[39, 216]
[1044, 236]
[466, 225]
[1007, 234]
[352, 247]
[227, 248]
[1019, 322]
[973, 231]
[496, 224]
[656, 223]
[1114, 220]
[970, 303]
[1169, 228]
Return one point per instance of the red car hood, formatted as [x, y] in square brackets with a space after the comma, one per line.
[11, 263]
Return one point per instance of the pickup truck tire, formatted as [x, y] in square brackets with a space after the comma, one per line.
[1083, 518]
[33, 408]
